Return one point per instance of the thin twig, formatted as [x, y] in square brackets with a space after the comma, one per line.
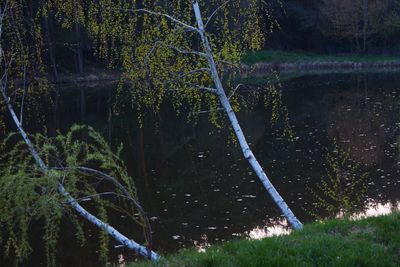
[177, 49]
[193, 72]
[162, 15]
[234, 91]
[208, 89]
[215, 12]
[90, 197]
[23, 98]
[125, 192]
[208, 111]
[145, 251]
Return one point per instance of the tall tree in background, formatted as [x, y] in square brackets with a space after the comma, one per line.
[355, 20]
[392, 20]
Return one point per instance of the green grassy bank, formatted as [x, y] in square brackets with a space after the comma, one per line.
[369, 242]
[306, 57]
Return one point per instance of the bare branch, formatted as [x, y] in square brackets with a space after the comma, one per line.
[215, 12]
[90, 197]
[235, 65]
[208, 111]
[23, 97]
[189, 27]
[208, 89]
[129, 243]
[127, 195]
[183, 75]
[145, 251]
[234, 90]
[177, 49]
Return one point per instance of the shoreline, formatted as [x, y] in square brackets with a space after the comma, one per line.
[95, 76]
[246, 70]
[368, 242]
[261, 68]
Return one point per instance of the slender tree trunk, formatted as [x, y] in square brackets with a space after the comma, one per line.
[56, 109]
[71, 201]
[109, 120]
[82, 101]
[142, 170]
[79, 52]
[128, 243]
[248, 154]
[51, 48]
[365, 24]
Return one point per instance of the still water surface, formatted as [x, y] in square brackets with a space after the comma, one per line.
[194, 183]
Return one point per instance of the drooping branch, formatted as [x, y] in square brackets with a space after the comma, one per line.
[214, 13]
[21, 113]
[185, 25]
[127, 195]
[175, 48]
[224, 101]
[209, 111]
[234, 90]
[128, 243]
[203, 88]
[192, 72]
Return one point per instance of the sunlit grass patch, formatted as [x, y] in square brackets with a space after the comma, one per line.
[369, 242]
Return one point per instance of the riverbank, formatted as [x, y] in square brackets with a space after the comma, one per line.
[369, 242]
[267, 61]
[260, 63]
[93, 75]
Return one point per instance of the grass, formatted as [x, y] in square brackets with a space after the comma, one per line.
[304, 57]
[369, 242]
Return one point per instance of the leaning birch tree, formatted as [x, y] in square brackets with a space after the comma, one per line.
[247, 152]
[40, 177]
[166, 48]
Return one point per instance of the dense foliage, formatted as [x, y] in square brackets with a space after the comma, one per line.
[161, 56]
[28, 194]
[338, 26]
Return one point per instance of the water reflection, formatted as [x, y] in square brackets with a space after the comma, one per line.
[198, 190]
[375, 208]
[275, 227]
[359, 119]
[202, 244]
[280, 226]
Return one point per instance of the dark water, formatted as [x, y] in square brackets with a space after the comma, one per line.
[194, 183]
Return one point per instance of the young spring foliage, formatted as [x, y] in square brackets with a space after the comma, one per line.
[28, 194]
[22, 67]
[163, 58]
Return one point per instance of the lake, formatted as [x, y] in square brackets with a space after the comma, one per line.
[194, 183]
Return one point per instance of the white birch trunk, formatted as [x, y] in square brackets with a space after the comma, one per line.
[248, 154]
[130, 244]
